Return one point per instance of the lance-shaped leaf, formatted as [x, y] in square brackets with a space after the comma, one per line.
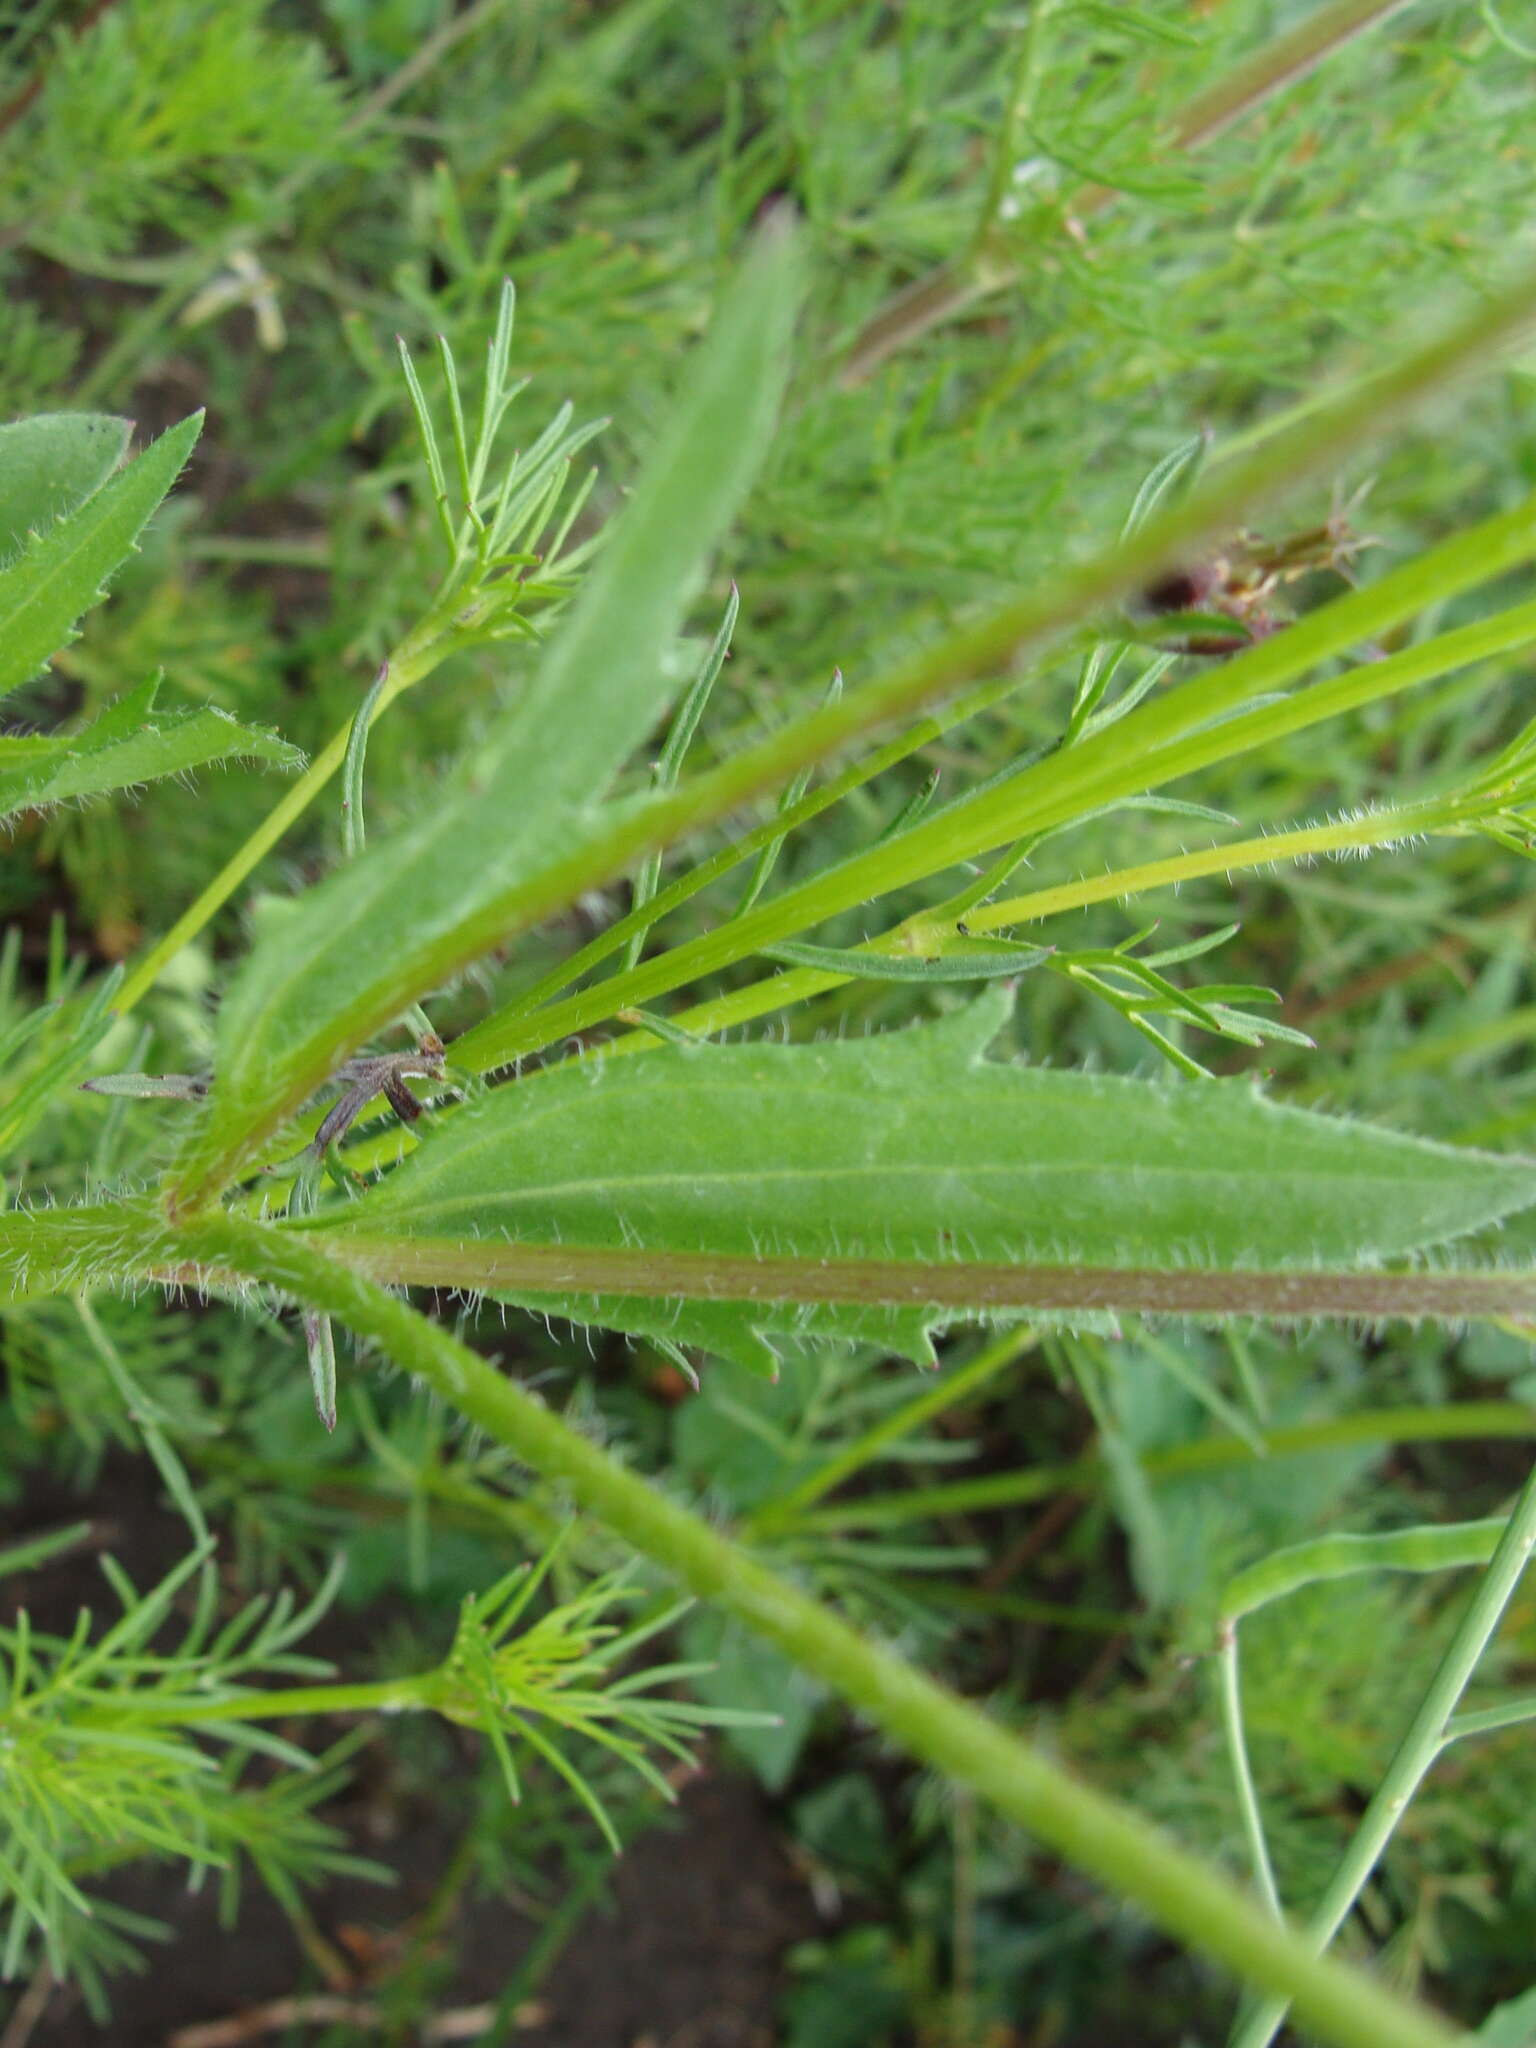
[60, 572]
[49, 465]
[130, 743]
[359, 948]
[907, 1149]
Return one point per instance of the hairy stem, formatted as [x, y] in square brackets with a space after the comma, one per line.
[66, 1248]
[639, 921]
[968, 1287]
[925, 934]
[1112, 1844]
[1192, 728]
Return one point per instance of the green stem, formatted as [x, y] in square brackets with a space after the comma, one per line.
[276, 1703]
[1490, 1720]
[661, 905]
[1010, 139]
[1340, 1556]
[1426, 1737]
[951, 289]
[1176, 737]
[1438, 1424]
[1242, 1773]
[63, 1249]
[954, 1386]
[1192, 728]
[1114, 1845]
[1377, 829]
[1332, 1557]
[414, 659]
[924, 933]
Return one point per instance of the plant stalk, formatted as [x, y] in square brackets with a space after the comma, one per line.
[414, 659]
[1190, 729]
[1466, 1421]
[1230, 1689]
[1112, 1844]
[1426, 1737]
[66, 1249]
[925, 934]
[951, 289]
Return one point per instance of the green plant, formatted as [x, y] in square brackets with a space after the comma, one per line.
[755, 1202]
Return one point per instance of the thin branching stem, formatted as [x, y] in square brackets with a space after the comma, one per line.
[951, 289]
[1139, 756]
[1421, 1745]
[1379, 1427]
[1230, 1693]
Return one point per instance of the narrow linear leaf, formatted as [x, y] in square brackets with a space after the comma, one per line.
[912, 1147]
[666, 770]
[49, 465]
[997, 962]
[59, 574]
[333, 974]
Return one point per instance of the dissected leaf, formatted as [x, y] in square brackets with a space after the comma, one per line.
[128, 744]
[59, 574]
[346, 961]
[49, 465]
[912, 1146]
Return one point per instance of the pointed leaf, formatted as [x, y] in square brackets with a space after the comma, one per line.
[51, 464]
[905, 1147]
[59, 573]
[345, 962]
[128, 744]
[996, 960]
